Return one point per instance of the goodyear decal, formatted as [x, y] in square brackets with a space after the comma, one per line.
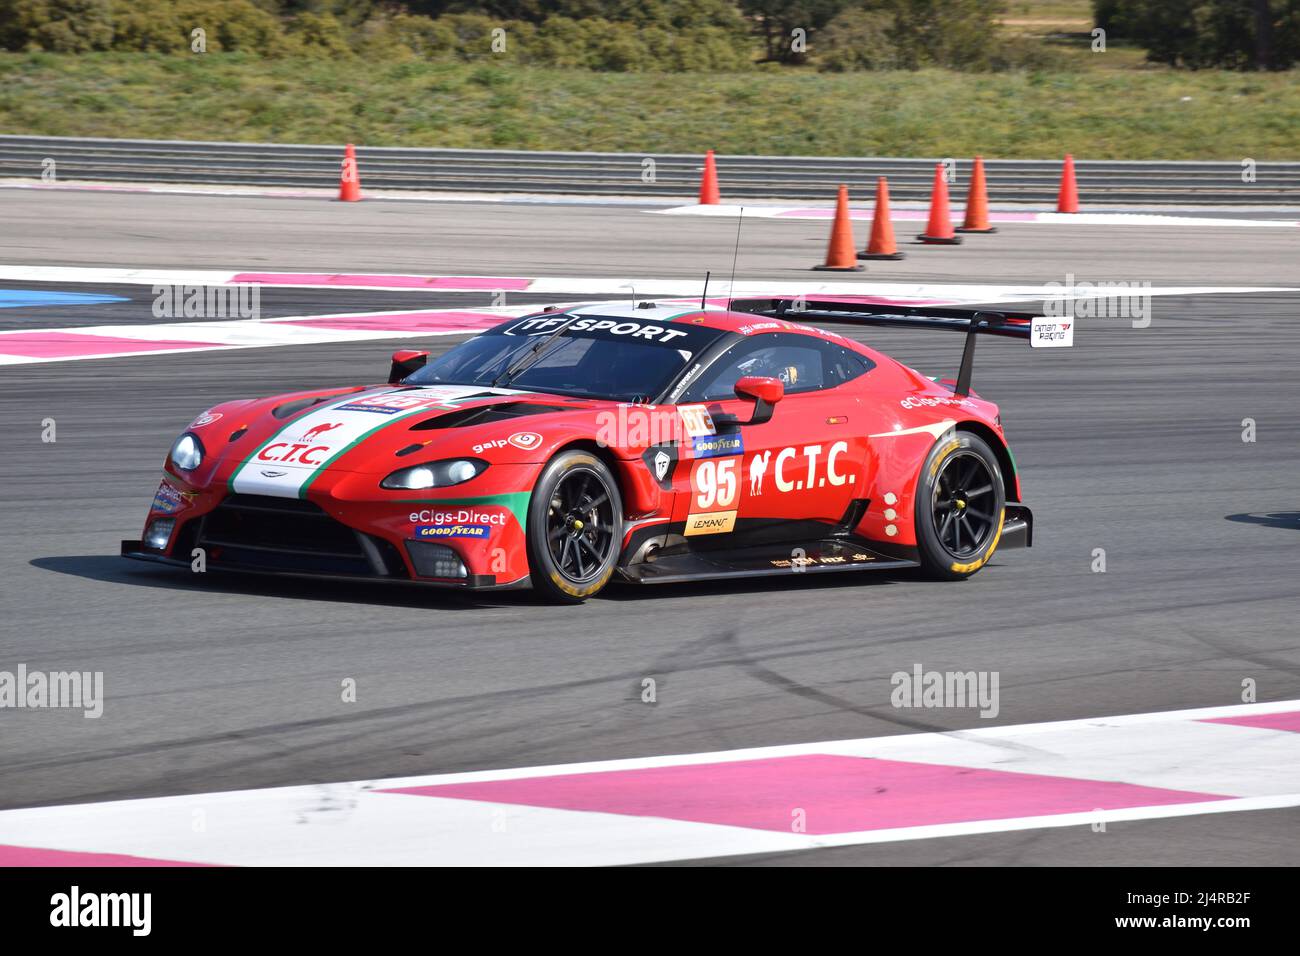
[717, 446]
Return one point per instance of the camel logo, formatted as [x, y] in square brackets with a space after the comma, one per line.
[313, 433]
[525, 440]
[757, 469]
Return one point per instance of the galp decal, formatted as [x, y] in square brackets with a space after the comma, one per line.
[207, 418]
[525, 440]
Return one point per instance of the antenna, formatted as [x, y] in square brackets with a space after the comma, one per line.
[734, 256]
[629, 285]
[704, 296]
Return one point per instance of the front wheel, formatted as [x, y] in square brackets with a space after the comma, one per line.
[960, 507]
[575, 527]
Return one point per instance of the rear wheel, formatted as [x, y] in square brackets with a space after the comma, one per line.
[575, 527]
[960, 506]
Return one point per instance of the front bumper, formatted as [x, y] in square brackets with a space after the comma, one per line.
[136, 551]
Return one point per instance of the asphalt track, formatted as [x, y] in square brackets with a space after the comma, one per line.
[1130, 442]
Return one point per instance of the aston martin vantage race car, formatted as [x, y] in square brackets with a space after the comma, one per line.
[653, 442]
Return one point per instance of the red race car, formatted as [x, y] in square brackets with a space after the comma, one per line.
[652, 441]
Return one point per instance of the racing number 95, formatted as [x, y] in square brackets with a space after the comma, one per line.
[715, 484]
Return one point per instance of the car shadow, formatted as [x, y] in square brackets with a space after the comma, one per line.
[114, 569]
[118, 570]
[1271, 519]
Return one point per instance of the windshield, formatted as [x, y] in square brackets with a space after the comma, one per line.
[620, 359]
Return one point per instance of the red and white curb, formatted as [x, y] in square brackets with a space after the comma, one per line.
[763, 800]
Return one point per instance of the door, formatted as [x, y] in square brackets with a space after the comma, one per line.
[789, 479]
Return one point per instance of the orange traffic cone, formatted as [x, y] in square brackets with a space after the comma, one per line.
[977, 202]
[349, 181]
[841, 255]
[882, 244]
[939, 229]
[1068, 198]
[709, 182]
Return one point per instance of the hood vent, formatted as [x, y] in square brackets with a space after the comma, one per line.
[487, 415]
[293, 408]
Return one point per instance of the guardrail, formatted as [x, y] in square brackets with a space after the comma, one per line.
[626, 174]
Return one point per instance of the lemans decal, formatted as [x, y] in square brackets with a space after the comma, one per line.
[287, 464]
[716, 522]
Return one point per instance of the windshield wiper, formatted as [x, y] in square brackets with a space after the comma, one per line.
[530, 355]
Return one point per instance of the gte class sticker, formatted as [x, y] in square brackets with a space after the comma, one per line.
[716, 522]
[696, 420]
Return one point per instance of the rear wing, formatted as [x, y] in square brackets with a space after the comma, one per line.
[1042, 331]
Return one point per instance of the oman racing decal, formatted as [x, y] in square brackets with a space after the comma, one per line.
[286, 465]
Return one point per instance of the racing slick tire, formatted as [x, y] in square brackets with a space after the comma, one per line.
[960, 507]
[575, 527]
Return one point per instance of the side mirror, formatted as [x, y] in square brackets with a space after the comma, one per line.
[765, 392]
[406, 361]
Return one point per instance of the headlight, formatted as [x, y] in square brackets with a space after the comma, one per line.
[436, 474]
[159, 533]
[187, 452]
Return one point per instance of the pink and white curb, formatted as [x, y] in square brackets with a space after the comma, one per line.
[760, 800]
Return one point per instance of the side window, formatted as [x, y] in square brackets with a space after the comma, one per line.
[802, 363]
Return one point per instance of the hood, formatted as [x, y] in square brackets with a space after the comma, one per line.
[279, 446]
